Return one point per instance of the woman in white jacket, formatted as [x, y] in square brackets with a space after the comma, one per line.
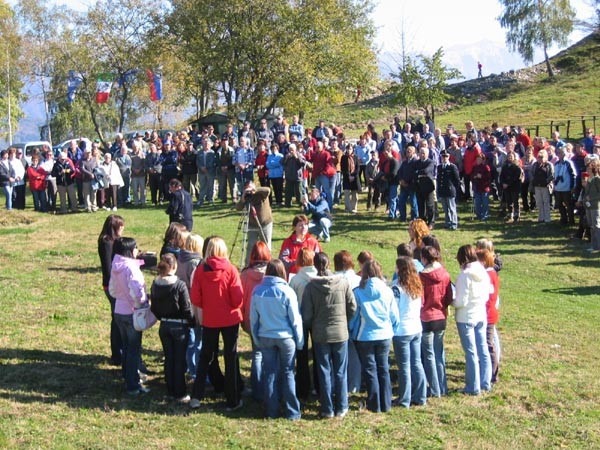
[472, 293]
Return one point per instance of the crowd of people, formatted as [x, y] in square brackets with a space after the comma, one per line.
[409, 163]
[297, 308]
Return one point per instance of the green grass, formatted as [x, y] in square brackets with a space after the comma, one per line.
[57, 390]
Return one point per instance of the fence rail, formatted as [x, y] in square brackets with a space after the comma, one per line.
[570, 123]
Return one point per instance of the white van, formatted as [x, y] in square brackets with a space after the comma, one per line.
[29, 148]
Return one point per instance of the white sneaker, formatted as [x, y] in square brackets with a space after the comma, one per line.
[184, 399]
[114, 208]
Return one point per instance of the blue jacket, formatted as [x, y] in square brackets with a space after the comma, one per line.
[275, 165]
[564, 176]
[318, 209]
[274, 312]
[376, 314]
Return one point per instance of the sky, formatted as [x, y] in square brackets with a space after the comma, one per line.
[468, 30]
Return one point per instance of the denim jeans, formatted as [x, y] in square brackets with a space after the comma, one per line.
[478, 370]
[482, 205]
[322, 227]
[210, 345]
[411, 196]
[374, 359]
[174, 338]
[332, 364]
[434, 362]
[327, 185]
[192, 353]
[132, 349]
[354, 368]
[393, 201]
[278, 377]
[256, 373]
[412, 383]
[39, 201]
[8, 193]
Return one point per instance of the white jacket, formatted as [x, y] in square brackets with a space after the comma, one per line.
[472, 293]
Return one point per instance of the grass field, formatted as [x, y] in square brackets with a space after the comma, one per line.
[58, 391]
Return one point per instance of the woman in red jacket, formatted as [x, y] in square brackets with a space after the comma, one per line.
[437, 295]
[217, 291]
[300, 238]
[472, 151]
[486, 258]
[37, 183]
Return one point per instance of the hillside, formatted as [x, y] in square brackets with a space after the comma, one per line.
[524, 97]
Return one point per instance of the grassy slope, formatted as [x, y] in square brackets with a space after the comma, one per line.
[574, 92]
[56, 390]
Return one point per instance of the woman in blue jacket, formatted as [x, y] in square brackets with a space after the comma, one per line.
[276, 327]
[372, 329]
[275, 172]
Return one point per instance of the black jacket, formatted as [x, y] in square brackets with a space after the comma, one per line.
[180, 209]
[170, 299]
[448, 180]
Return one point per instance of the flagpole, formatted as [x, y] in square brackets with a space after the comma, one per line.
[8, 96]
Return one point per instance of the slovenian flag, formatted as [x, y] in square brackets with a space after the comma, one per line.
[155, 83]
[103, 86]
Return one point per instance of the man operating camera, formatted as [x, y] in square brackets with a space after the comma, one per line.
[255, 201]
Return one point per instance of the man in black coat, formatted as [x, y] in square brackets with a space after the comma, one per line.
[180, 206]
[448, 182]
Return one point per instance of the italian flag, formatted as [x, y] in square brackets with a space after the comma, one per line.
[103, 86]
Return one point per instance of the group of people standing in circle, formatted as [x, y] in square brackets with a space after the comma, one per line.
[352, 319]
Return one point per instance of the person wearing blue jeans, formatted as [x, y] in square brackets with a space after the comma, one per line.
[194, 346]
[407, 196]
[319, 208]
[328, 305]
[326, 185]
[372, 329]
[132, 350]
[407, 289]
[481, 178]
[276, 327]
[433, 357]
[472, 293]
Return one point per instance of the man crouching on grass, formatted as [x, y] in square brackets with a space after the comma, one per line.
[180, 206]
[316, 205]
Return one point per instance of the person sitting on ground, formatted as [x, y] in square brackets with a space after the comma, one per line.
[300, 238]
[180, 207]
[321, 217]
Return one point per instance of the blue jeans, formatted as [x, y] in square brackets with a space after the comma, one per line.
[482, 205]
[478, 370]
[337, 188]
[412, 384]
[116, 344]
[174, 339]
[192, 354]
[278, 377]
[322, 227]
[405, 195]
[393, 200]
[256, 376]
[332, 367]
[39, 200]
[354, 368]
[132, 350]
[434, 362]
[8, 193]
[374, 359]
[327, 185]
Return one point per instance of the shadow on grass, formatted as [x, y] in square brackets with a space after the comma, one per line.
[575, 291]
[81, 270]
[77, 380]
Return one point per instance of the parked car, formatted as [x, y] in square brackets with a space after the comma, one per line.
[31, 147]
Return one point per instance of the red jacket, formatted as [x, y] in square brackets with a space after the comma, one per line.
[437, 293]
[217, 289]
[291, 247]
[260, 162]
[492, 310]
[37, 178]
[320, 162]
[481, 184]
[469, 158]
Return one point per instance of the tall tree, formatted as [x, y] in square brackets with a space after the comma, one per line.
[10, 72]
[535, 23]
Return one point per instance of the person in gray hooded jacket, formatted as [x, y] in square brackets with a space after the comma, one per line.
[328, 304]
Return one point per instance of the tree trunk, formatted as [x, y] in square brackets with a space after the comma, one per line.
[548, 65]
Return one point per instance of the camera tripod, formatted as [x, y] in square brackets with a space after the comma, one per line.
[243, 224]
